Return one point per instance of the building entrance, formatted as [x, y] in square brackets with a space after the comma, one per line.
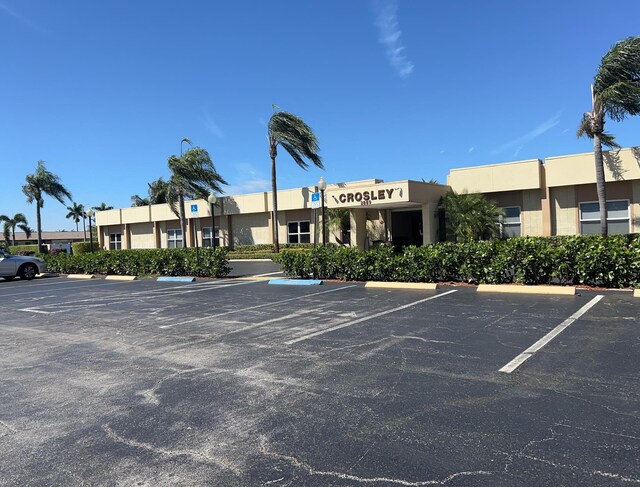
[406, 228]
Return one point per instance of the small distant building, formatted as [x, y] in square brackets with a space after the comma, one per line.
[51, 239]
[556, 196]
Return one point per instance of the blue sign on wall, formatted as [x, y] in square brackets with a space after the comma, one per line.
[194, 208]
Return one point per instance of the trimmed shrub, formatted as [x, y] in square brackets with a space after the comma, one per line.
[24, 249]
[612, 261]
[206, 262]
[78, 248]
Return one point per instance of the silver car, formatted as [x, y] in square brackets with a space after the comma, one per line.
[18, 265]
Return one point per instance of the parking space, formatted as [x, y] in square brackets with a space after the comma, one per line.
[229, 382]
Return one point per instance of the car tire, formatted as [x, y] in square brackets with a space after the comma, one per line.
[28, 271]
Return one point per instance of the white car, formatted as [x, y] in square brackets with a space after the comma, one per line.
[18, 265]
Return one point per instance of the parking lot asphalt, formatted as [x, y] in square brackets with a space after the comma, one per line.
[245, 267]
[231, 382]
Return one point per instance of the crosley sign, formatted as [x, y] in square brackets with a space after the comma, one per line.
[367, 197]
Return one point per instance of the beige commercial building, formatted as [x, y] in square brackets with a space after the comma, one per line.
[556, 196]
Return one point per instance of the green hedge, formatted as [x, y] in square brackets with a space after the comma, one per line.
[24, 249]
[207, 262]
[78, 248]
[592, 260]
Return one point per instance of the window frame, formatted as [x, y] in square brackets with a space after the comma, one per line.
[504, 225]
[206, 241]
[115, 243]
[612, 219]
[175, 240]
[299, 233]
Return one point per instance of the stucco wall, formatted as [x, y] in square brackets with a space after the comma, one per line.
[531, 216]
[251, 229]
[635, 207]
[580, 168]
[141, 236]
[564, 211]
[496, 177]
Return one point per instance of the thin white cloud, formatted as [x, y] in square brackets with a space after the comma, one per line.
[247, 180]
[520, 142]
[442, 151]
[248, 186]
[21, 18]
[211, 124]
[472, 148]
[389, 33]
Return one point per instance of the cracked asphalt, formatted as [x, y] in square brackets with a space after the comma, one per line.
[241, 383]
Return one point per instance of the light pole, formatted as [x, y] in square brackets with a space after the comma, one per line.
[90, 215]
[322, 185]
[187, 140]
[212, 201]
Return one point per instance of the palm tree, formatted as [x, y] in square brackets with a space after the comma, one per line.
[157, 194]
[76, 212]
[616, 94]
[102, 207]
[137, 200]
[158, 191]
[10, 224]
[338, 221]
[297, 138]
[43, 182]
[193, 175]
[471, 217]
[7, 237]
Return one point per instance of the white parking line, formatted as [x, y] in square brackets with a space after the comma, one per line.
[297, 314]
[529, 352]
[370, 317]
[127, 297]
[242, 310]
[94, 283]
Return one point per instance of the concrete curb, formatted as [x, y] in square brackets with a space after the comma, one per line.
[176, 279]
[121, 278]
[81, 276]
[296, 282]
[636, 293]
[425, 286]
[509, 288]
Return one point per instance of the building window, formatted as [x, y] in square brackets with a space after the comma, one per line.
[174, 239]
[299, 232]
[617, 217]
[511, 225]
[115, 241]
[206, 236]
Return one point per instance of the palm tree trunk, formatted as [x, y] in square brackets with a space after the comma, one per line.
[600, 183]
[274, 192]
[13, 235]
[183, 223]
[84, 228]
[39, 225]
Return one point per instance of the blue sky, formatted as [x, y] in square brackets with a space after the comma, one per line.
[105, 91]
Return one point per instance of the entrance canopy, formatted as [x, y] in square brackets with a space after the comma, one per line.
[380, 195]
